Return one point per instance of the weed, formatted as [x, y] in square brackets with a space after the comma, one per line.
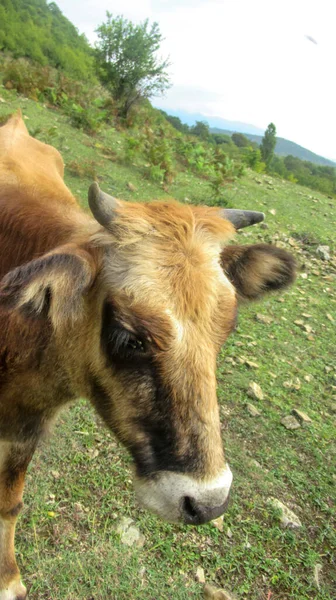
[83, 169]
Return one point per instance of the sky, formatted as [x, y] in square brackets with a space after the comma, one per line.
[254, 61]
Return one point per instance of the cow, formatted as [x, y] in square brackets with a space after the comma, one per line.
[127, 307]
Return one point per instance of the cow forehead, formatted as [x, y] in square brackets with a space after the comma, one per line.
[165, 257]
[180, 292]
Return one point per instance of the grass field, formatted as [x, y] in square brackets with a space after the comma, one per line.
[79, 483]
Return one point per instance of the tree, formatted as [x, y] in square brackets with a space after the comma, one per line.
[240, 140]
[128, 61]
[201, 129]
[268, 143]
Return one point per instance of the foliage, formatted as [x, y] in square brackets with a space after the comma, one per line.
[317, 177]
[252, 158]
[158, 152]
[88, 106]
[201, 129]
[240, 140]
[84, 168]
[39, 31]
[268, 144]
[127, 57]
[176, 122]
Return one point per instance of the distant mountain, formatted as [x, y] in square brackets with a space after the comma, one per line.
[284, 148]
[218, 125]
[232, 126]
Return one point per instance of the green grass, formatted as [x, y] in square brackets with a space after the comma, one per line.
[71, 551]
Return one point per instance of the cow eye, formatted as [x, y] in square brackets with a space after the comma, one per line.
[125, 343]
[136, 345]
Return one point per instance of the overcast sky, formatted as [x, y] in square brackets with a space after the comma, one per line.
[244, 60]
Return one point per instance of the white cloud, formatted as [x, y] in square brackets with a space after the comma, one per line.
[249, 60]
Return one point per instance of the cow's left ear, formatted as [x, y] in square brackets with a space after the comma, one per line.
[51, 286]
[258, 269]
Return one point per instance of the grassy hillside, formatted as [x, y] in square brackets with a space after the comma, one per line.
[38, 30]
[79, 484]
[284, 148]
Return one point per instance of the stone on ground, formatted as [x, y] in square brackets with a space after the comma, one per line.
[129, 534]
[216, 594]
[290, 422]
[287, 517]
[301, 416]
[255, 391]
[252, 410]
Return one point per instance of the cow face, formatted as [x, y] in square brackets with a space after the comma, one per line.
[171, 296]
[154, 311]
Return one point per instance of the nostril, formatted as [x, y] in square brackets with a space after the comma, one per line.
[189, 509]
[196, 513]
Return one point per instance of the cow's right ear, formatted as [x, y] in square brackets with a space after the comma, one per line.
[51, 286]
[258, 269]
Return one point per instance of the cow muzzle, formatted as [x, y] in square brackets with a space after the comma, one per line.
[180, 498]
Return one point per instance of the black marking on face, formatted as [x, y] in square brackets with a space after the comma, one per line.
[132, 360]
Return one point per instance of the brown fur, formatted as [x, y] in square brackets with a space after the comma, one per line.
[76, 298]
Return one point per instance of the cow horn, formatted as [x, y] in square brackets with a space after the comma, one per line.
[242, 218]
[102, 205]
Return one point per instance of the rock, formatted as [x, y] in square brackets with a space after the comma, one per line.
[323, 252]
[218, 523]
[129, 534]
[254, 412]
[287, 517]
[301, 416]
[216, 594]
[317, 571]
[290, 422]
[292, 384]
[308, 378]
[251, 364]
[266, 320]
[200, 575]
[255, 391]
[131, 187]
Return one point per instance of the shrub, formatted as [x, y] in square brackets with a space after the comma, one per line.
[85, 168]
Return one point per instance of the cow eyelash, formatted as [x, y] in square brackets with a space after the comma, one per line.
[124, 342]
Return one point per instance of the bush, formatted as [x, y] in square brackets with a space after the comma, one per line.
[87, 106]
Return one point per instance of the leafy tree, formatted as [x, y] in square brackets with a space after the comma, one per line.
[201, 129]
[240, 140]
[221, 139]
[128, 62]
[176, 122]
[268, 144]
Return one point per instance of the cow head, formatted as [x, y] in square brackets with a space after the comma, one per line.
[144, 308]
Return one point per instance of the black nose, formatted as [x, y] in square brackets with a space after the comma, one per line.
[196, 513]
